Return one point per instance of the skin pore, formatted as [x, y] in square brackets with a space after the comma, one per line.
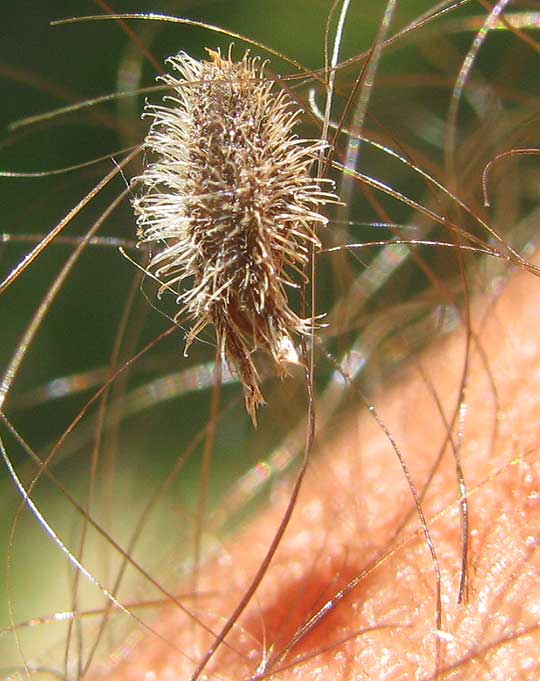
[352, 591]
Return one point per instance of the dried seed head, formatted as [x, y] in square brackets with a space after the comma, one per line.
[227, 192]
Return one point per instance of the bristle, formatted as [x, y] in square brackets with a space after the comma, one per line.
[228, 193]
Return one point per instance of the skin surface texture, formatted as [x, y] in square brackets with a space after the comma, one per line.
[355, 528]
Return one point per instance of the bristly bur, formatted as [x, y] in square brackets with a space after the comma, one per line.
[228, 195]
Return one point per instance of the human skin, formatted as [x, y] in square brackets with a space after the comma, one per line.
[343, 532]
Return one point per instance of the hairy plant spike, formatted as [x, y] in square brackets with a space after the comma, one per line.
[227, 191]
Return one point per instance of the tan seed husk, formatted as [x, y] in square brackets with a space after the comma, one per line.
[228, 195]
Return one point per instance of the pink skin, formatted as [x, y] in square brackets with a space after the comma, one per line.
[354, 499]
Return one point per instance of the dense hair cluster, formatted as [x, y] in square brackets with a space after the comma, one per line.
[228, 194]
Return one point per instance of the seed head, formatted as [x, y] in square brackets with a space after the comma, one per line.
[227, 193]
